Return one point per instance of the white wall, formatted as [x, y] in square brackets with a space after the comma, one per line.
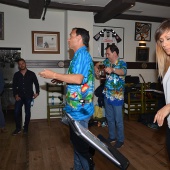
[82, 20]
[18, 27]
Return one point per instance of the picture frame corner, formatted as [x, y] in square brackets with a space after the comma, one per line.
[142, 54]
[1, 25]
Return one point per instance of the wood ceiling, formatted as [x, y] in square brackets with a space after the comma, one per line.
[113, 10]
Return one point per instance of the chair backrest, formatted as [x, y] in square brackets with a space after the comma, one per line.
[55, 93]
[132, 79]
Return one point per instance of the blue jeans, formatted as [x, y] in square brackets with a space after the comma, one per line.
[115, 121]
[2, 119]
[18, 110]
[81, 149]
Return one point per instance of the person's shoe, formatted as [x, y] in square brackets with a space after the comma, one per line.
[111, 140]
[118, 144]
[91, 164]
[3, 130]
[16, 131]
[25, 132]
[153, 126]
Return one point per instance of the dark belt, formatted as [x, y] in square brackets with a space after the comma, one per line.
[83, 101]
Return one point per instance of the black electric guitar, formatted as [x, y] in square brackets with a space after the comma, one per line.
[142, 78]
[148, 94]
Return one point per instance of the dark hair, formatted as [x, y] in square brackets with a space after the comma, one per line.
[85, 35]
[20, 59]
[164, 26]
[113, 48]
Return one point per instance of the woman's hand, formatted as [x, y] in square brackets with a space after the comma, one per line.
[161, 114]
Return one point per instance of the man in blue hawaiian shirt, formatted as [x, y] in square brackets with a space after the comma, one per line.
[114, 93]
[80, 87]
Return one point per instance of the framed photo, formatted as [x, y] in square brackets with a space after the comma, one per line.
[45, 42]
[1, 26]
[104, 35]
[142, 54]
[142, 31]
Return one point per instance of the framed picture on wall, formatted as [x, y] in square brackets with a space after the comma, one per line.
[142, 31]
[45, 42]
[1, 26]
[104, 35]
[142, 54]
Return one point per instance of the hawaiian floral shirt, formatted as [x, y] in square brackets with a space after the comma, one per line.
[114, 84]
[81, 64]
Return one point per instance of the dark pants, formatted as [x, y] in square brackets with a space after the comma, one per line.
[2, 119]
[18, 109]
[83, 153]
[168, 141]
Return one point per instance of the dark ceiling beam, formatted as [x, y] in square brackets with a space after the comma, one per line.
[36, 9]
[112, 9]
[139, 18]
[56, 5]
[155, 2]
[16, 3]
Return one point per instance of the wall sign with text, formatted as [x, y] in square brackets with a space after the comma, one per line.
[104, 35]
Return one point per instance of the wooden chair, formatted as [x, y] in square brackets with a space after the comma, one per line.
[138, 101]
[150, 100]
[133, 104]
[55, 103]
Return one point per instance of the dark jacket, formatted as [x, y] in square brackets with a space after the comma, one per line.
[99, 93]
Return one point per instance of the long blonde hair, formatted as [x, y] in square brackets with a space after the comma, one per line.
[162, 58]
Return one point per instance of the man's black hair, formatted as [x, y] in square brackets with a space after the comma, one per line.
[113, 48]
[20, 59]
[85, 35]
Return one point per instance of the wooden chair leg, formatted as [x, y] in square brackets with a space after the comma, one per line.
[48, 116]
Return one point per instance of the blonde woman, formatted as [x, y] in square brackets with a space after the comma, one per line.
[162, 37]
